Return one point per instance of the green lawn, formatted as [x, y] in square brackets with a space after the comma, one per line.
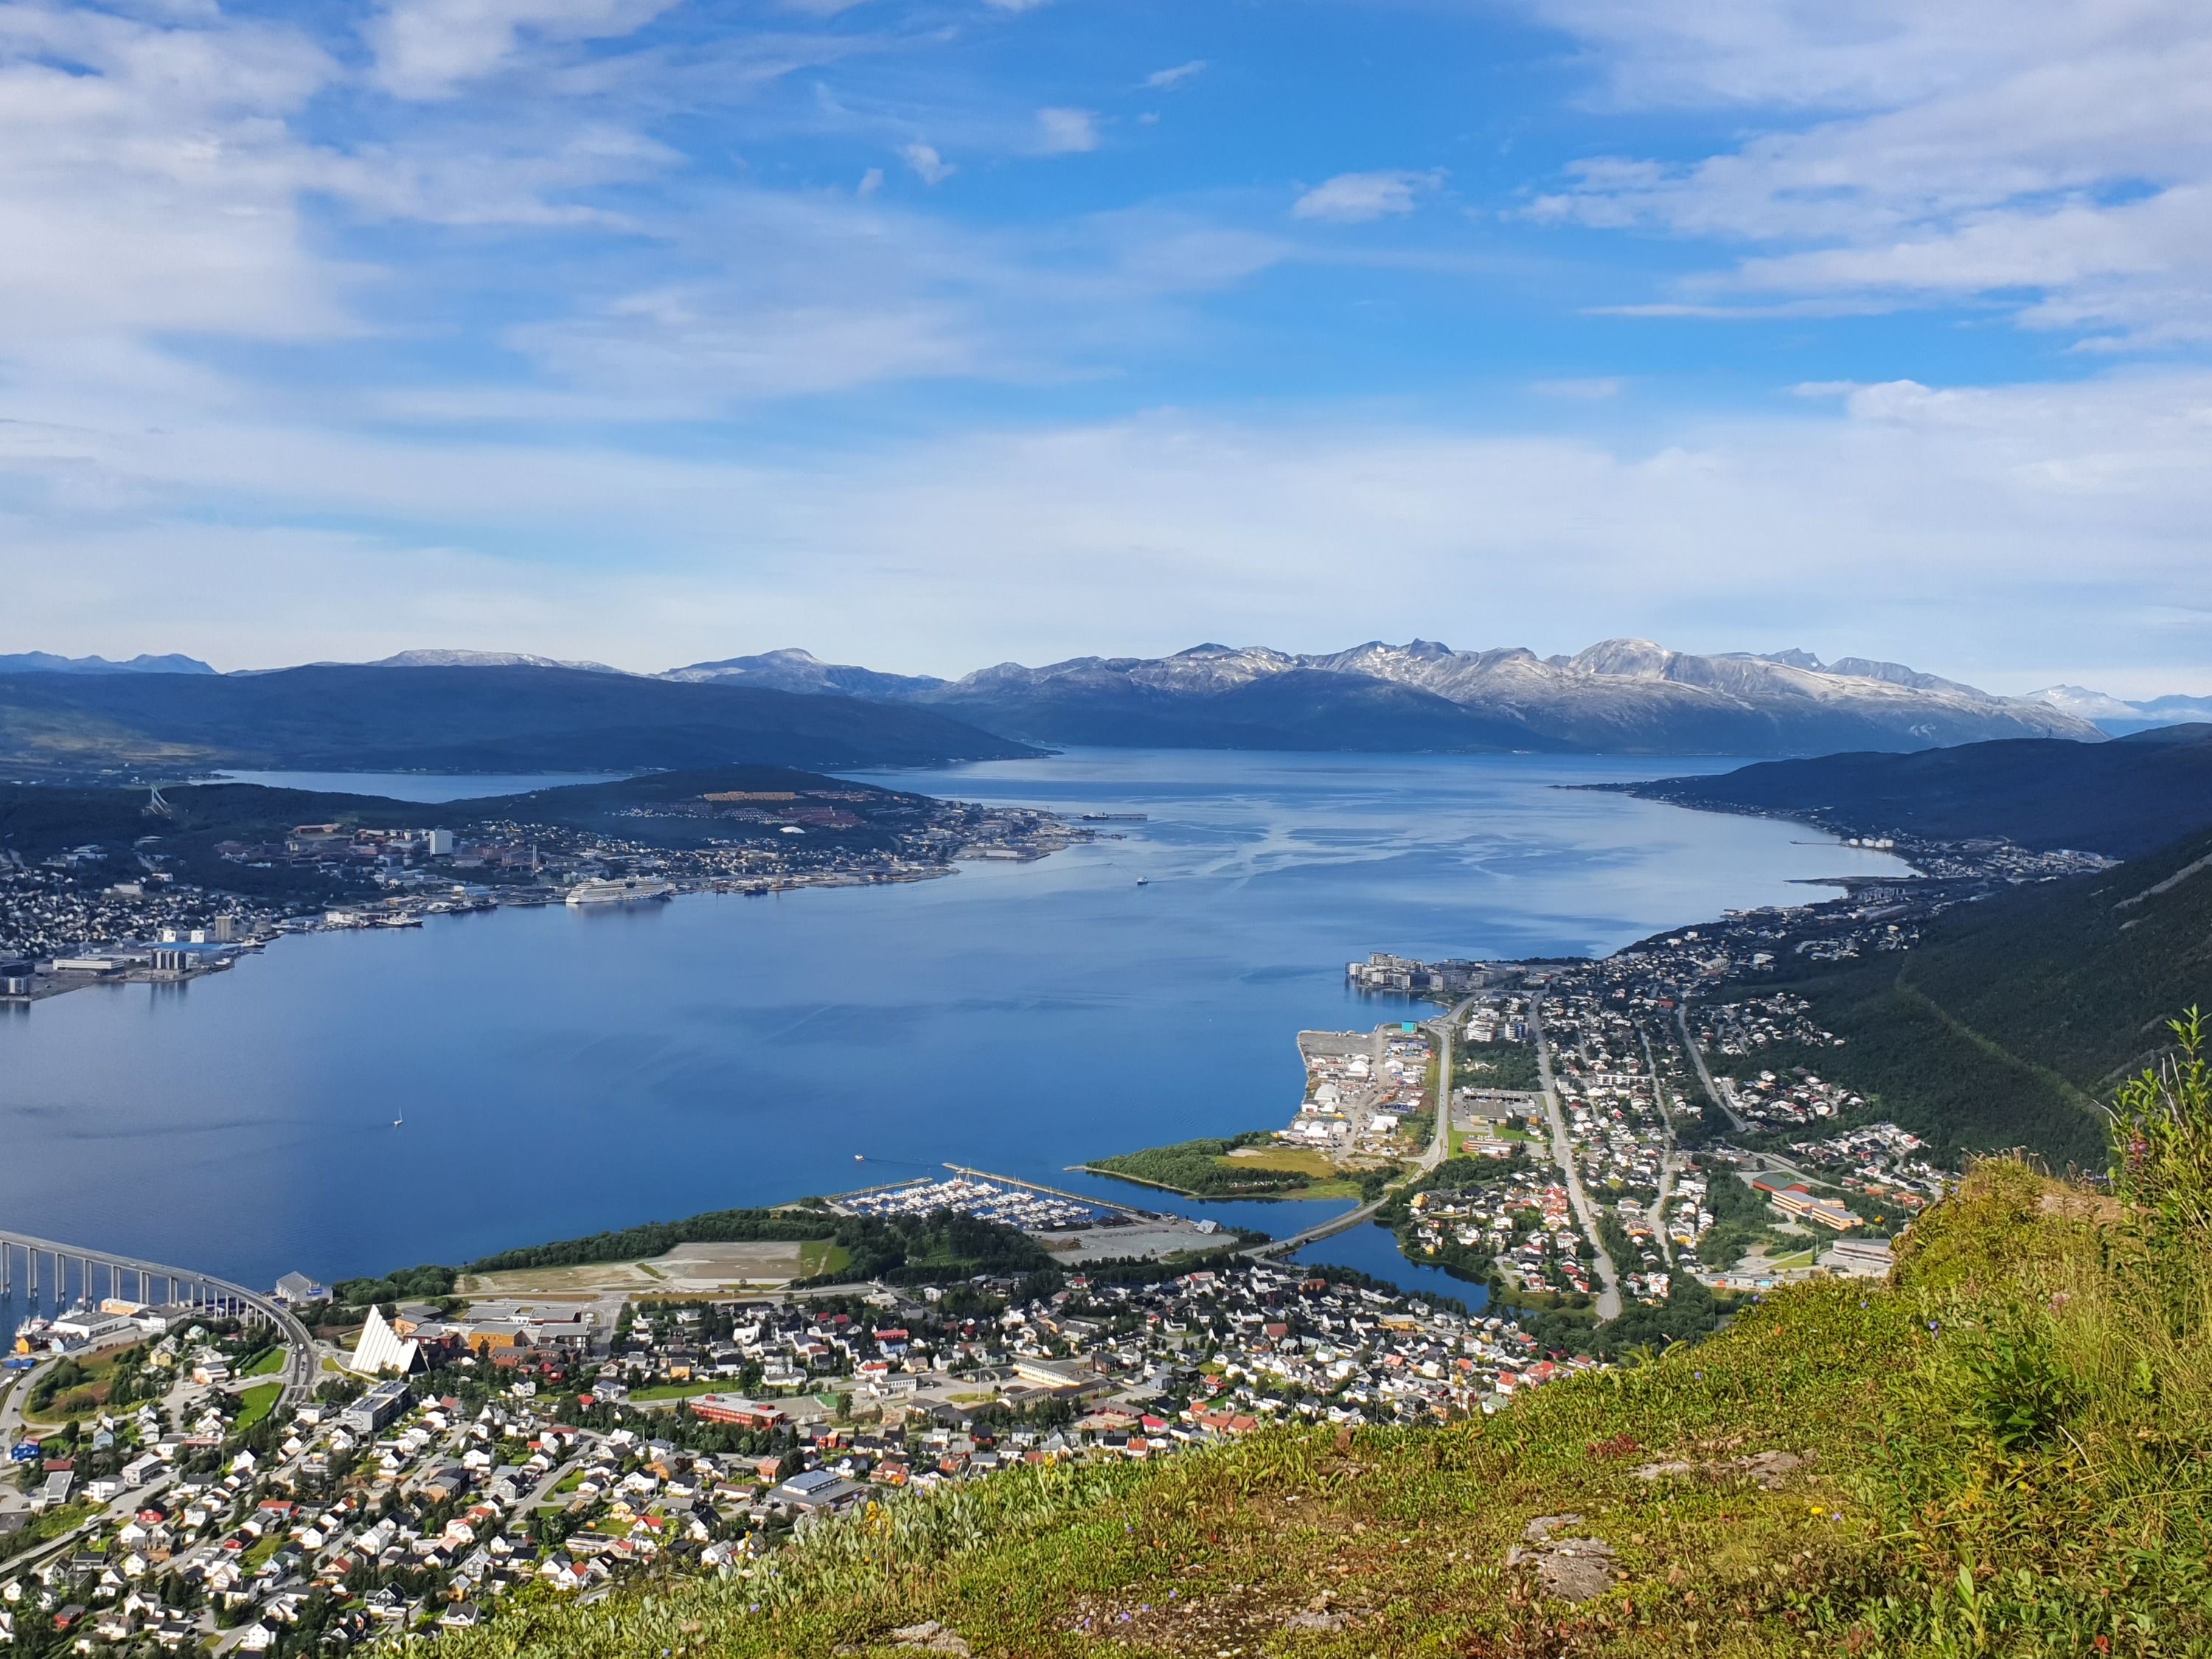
[268, 1365]
[264, 1547]
[256, 1404]
[823, 1256]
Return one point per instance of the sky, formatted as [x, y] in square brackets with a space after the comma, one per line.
[929, 334]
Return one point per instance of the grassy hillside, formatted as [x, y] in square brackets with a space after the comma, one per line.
[2016, 1013]
[2003, 1452]
[2124, 798]
[2080, 976]
[1919, 1066]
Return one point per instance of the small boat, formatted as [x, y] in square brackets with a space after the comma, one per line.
[1144, 881]
[396, 1122]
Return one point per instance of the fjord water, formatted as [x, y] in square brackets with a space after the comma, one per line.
[562, 1071]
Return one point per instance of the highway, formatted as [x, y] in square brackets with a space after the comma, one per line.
[1562, 1150]
[1698, 1060]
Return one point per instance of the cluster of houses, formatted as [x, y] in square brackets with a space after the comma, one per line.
[1791, 1099]
[1525, 1225]
[1738, 1029]
[700, 1434]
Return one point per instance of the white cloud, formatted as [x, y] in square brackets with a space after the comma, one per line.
[1914, 153]
[1891, 521]
[928, 166]
[1066, 131]
[1582, 390]
[149, 182]
[871, 182]
[1352, 198]
[433, 48]
[1161, 80]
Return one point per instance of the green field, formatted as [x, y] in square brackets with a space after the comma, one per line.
[267, 1365]
[257, 1403]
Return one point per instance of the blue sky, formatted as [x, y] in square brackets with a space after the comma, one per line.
[933, 335]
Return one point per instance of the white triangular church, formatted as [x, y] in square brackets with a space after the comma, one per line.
[381, 1349]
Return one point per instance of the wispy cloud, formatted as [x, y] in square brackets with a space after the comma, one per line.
[1352, 198]
[2054, 156]
[1589, 391]
[1161, 80]
[432, 48]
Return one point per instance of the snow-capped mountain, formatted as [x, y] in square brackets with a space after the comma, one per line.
[802, 671]
[2111, 715]
[432, 658]
[1618, 696]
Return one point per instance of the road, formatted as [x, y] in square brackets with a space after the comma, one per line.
[1698, 1060]
[1667, 1159]
[1562, 1150]
[17, 1392]
[1439, 1146]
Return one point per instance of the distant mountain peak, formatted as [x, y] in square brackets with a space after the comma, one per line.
[45, 662]
[437, 659]
[790, 669]
[2079, 700]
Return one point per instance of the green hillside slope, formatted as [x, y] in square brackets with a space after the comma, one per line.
[2016, 1012]
[2124, 798]
[2003, 1452]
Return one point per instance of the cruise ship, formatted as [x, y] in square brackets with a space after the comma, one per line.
[623, 891]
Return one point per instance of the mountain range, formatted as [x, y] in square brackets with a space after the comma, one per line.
[2112, 715]
[459, 710]
[1623, 697]
[506, 718]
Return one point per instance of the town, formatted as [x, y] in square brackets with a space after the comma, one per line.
[456, 1454]
[96, 913]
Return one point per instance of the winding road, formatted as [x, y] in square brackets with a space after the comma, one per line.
[1697, 1058]
[1562, 1150]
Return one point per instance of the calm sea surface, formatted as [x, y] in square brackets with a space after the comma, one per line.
[563, 1071]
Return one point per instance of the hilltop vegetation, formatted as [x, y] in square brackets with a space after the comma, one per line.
[2015, 1015]
[2124, 798]
[2004, 1451]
